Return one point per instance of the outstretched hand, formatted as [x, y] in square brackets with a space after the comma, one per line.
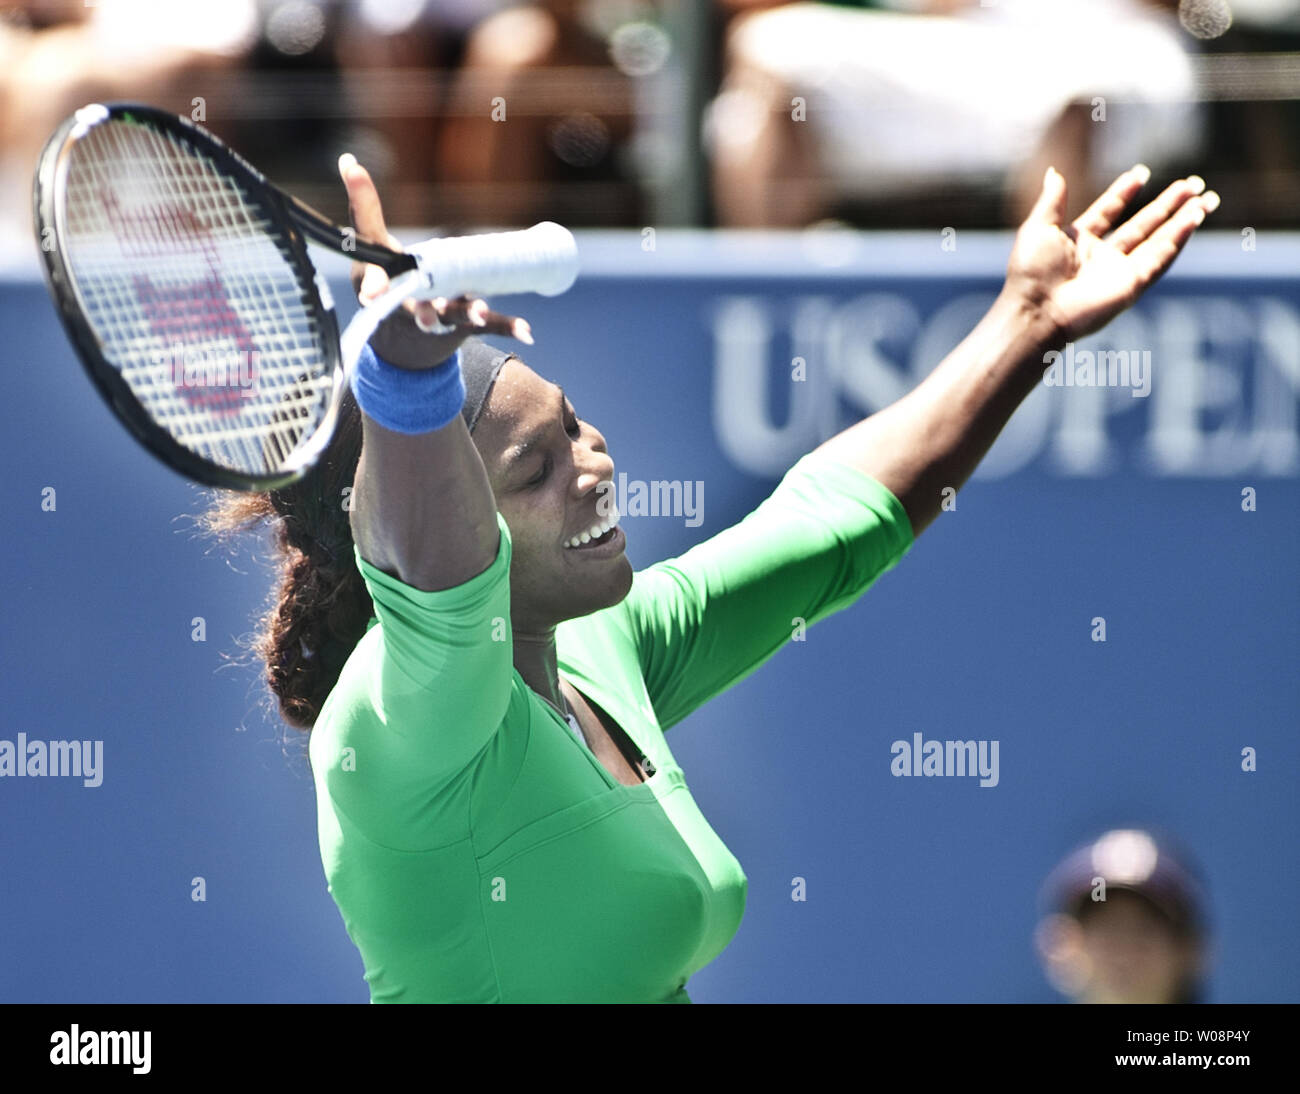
[445, 323]
[1078, 277]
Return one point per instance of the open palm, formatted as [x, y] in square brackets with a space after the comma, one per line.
[1079, 277]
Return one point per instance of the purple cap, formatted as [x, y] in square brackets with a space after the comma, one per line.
[1129, 859]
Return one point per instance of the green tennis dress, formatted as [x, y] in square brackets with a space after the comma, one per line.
[477, 849]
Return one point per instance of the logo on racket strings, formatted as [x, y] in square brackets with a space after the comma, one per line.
[211, 377]
[208, 352]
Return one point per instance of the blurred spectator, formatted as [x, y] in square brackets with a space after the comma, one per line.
[541, 113]
[1250, 80]
[58, 55]
[1126, 923]
[467, 112]
[497, 113]
[898, 102]
[397, 61]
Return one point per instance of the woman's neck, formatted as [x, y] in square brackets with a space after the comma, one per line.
[535, 661]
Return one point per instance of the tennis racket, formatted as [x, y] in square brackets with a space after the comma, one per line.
[182, 278]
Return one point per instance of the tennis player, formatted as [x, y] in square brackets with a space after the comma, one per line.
[486, 680]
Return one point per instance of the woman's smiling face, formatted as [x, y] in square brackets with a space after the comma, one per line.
[553, 481]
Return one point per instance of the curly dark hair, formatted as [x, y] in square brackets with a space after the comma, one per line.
[321, 608]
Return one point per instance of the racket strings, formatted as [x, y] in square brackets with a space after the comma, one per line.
[189, 289]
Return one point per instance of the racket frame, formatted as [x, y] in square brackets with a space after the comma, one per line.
[298, 222]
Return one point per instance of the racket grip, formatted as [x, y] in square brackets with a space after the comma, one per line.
[541, 259]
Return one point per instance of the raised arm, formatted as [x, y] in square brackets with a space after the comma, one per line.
[1064, 281]
[422, 506]
[418, 699]
[705, 620]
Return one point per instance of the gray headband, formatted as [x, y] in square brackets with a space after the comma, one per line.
[479, 365]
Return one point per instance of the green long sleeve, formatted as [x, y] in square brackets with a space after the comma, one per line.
[477, 850]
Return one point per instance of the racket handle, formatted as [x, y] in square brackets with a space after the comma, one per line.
[541, 259]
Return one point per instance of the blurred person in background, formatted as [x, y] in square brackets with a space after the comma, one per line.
[541, 113]
[942, 93]
[59, 55]
[1126, 923]
[472, 113]
[286, 82]
[398, 62]
[369, 75]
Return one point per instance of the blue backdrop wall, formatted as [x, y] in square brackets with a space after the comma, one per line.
[1095, 503]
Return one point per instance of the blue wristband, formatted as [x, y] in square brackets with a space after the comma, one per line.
[408, 400]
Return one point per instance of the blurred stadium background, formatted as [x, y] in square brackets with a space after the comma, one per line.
[750, 183]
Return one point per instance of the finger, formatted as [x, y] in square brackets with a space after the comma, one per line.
[363, 199]
[426, 314]
[462, 311]
[1050, 206]
[509, 325]
[1100, 217]
[1154, 256]
[431, 314]
[1145, 221]
[369, 280]
[373, 281]
[367, 216]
